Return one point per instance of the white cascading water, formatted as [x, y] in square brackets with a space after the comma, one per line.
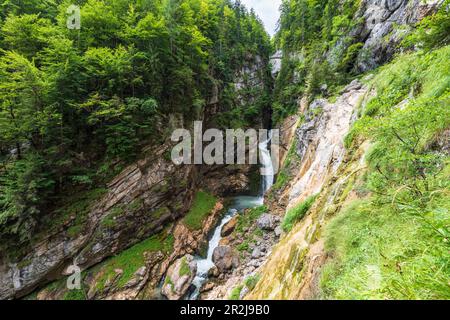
[239, 203]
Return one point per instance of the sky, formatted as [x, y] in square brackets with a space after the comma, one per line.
[267, 10]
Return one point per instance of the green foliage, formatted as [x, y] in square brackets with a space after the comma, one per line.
[110, 220]
[316, 50]
[184, 268]
[393, 244]
[350, 57]
[252, 281]
[75, 295]
[283, 175]
[248, 218]
[202, 206]
[384, 252]
[76, 106]
[296, 213]
[130, 260]
[423, 77]
[433, 31]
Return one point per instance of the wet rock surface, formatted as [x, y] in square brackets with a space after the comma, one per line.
[229, 227]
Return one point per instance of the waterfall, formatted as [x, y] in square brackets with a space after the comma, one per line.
[265, 158]
[240, 203]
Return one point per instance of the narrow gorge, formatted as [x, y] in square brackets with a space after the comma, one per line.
[358, 207]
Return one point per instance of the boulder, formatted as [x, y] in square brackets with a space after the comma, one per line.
[256, 253]
[225, 259]
[278, 231]
[213, 272]
[229, 227]
[267, 222]
[179, 277]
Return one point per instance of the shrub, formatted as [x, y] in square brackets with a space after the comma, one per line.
[252, 281]
[236, 293]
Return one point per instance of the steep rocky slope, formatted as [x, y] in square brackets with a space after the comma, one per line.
[326, 170]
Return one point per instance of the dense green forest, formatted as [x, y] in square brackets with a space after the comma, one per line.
[78, 104]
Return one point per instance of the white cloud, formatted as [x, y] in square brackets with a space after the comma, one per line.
[267, 10]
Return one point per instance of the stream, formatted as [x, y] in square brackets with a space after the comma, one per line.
[239, 203]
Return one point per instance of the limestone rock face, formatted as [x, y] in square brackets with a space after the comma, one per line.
[325, 167]
[179, 277]
[225, 259]
[321, 145]
[386, 22]
[138, 203]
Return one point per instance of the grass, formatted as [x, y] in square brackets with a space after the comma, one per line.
[379, 253]
[252, 281]
[130, 260]
[424, 76]
[78, 206]
[297, 213]
[168, 281]
[395, 244]
[203, 204]
[248, 218]
[283, 176]
[75, 295]
[110, 219]
[236, 293]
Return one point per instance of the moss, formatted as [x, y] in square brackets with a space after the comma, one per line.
[77, 206]
[184, 268]
[244, 246]
[168, 282]
[75, 230]
[248, 218]
[203, 204]
[130, 260]
[31, 296]
[160, 212]
[110, 220]
[283, 176]
[136, 205]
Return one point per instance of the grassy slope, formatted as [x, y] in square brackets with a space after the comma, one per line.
[395, 244]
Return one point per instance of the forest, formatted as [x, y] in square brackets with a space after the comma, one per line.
[77, 105]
